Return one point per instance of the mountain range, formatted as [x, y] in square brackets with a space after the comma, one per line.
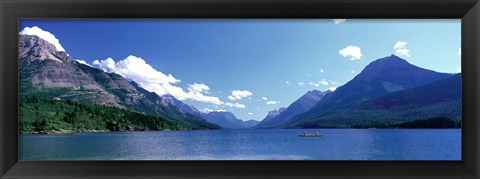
[222, 118]
[48, 73]
[388, 90]
[301, 105]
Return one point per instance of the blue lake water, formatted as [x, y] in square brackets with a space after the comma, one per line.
[268, 144]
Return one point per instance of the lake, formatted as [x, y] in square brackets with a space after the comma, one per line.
[260, 144]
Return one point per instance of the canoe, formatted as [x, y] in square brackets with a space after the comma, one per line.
[310, 135]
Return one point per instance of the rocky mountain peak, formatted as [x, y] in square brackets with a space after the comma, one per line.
[33, 48]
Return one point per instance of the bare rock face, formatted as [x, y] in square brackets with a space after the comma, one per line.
[36, 49]
[48, 69]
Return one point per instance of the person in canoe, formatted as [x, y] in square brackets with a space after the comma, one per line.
[306, 134]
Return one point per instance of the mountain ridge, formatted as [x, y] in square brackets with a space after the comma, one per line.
[380, 77]
[48, 73]
[302, 104]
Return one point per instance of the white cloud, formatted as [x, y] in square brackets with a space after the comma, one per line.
[236, 105]
[459, 51]
[339, 21]
[323, 82]
[45, 35]
[401, 49]
[353, 71]
[83, 62]
[459, 70]
[309, 75]
[321, 71]
[351, 51]
[264, 98]
[250, 113]
[239, 94]
[332, 88]
[313, 84]
[206, 110]
[400, 44]
[198, 87]
[301, 83]
[136, 69]
[198, 96]
[272, 102]
[287, 82]
[333, 82]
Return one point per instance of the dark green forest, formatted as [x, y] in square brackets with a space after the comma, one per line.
[40, 114]
[438, 123]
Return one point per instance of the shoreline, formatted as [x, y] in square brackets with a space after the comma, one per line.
[67, 132]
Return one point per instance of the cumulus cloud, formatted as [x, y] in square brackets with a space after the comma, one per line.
[339, 21]
[321, 71]
[197, 95]
[287, 82]
[354, 52]
[250, 113]
[401, 49]
[83, 62]
[301, 83]
[239, 94]
[314, 84]
[459, 51]
[323, 82]
[198, 87]
[332, 88]
[136, 69]
[206, 110]
[459, 70]
[333, 82]
[272, 102]
[45, 35]
[236, 105]
[353, 71]
[264, 98]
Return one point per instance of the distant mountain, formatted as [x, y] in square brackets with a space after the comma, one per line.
[274, 113]
[226, 120]
[221, 118]
[162, 107]
[440, 99]
[51, 74]
[380, 77]
[301, 105]
[251, 123]
[180, 105]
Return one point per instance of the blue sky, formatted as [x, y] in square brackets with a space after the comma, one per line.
[203, 61]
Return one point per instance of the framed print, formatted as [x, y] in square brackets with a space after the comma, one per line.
[244, 89]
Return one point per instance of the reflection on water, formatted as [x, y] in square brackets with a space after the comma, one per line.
[268, 144]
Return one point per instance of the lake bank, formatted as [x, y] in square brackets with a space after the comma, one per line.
[62, 131]
[142, 130]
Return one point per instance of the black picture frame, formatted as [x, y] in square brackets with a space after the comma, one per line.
[467, 10]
